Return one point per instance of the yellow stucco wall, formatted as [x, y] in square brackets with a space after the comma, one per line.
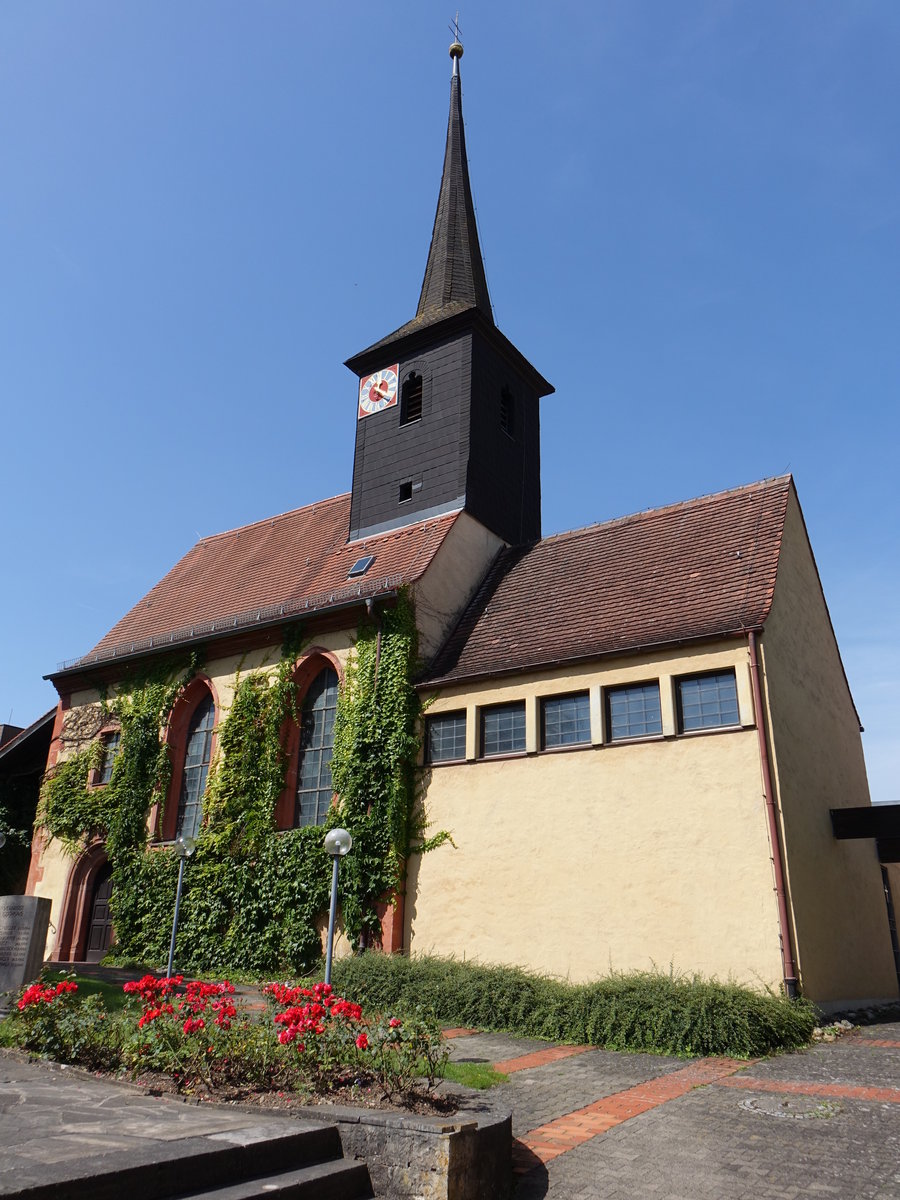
[616, 856]
[835, 890]
[55, 867]
[444, 589]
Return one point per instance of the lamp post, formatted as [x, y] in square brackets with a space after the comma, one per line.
[338, 842]
[185, 847]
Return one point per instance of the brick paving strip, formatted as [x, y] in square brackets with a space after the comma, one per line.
[565, 1133]
[843, 1091]
[884, 1043]
[455, 1033]
[539, 1058]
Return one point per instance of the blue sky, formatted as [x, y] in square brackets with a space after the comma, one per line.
[690, 216]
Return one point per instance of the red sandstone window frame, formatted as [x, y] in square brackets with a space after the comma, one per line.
[183, 710]
[315, 660]
[106, 731]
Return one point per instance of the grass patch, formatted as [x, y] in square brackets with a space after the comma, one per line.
[111, 993]
[473, 1075]
[652, 1012]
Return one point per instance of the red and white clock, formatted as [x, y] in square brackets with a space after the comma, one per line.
[378, 391]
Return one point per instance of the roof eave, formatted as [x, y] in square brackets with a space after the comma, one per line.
[406, 345]
[85, 670]
[443, 681]
[28, 732]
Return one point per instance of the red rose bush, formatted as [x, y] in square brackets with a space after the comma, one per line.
[202, 1035]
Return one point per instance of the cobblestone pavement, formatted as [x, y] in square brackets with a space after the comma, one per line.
[822, 1123]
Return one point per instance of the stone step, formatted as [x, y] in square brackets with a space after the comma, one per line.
[335, 1180]
[206, 1166]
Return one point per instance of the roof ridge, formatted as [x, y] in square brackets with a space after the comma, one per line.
[211, 537]
[641, 514]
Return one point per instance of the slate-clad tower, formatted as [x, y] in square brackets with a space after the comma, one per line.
[448, 415]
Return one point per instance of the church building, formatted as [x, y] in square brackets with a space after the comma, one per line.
[633, 733]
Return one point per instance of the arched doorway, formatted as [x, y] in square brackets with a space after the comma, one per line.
[99, 928]
[90, 881]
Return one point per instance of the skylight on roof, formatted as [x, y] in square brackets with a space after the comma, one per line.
[361, 566]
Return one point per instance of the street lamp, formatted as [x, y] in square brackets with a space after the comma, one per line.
[338, 842]
[184, 847]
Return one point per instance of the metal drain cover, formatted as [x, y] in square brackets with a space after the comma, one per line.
[792, 1108]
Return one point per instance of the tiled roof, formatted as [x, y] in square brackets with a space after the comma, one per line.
[694, 570]
[284, 566]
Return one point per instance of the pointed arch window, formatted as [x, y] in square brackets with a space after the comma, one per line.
[314, 790]
[197, 753]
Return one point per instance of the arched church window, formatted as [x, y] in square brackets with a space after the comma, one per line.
[411, 399]
[314, 790]
[197, 753]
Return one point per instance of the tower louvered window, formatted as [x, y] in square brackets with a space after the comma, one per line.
[508, 412]
[411, 399]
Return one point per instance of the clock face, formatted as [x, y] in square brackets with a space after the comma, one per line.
[378, 391]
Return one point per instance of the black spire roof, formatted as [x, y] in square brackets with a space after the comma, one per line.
[454, 274]
[454, 280]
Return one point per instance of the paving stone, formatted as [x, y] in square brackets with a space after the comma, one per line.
[710, 1146]
[55, 1123]
[835, 1062]
[546, 1093]
[493, 1047]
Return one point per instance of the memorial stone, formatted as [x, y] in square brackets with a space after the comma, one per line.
[23, 935]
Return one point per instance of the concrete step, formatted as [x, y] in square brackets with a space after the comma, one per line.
[335, 1180]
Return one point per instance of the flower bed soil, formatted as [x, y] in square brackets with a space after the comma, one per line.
[353, 1091]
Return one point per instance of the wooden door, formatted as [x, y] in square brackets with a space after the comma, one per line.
[100, 928]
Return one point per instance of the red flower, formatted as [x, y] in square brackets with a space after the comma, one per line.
[395, 1023]
[362, 1042]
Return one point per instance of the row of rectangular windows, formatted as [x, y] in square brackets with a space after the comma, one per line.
[706, 701]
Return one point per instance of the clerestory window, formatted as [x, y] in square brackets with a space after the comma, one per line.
[707, 701]
[633, 711]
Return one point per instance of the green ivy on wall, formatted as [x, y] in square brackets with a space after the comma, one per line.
[253, 897]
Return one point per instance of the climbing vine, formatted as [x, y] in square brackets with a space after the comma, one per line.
[254, 898]
[72, 811]
[373, 768]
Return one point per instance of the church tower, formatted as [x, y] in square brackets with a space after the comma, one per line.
[448, 408]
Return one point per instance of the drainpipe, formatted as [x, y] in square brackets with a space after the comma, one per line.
[370, 607]
[787, 958]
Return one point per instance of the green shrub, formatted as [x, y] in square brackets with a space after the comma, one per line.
[647, 1011]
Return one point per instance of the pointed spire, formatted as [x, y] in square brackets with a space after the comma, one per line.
[454, 273]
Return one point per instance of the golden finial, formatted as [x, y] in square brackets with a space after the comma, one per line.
[456, 50]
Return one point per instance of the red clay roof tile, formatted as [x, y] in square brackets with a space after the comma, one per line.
[299, 560]
[694, 570]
